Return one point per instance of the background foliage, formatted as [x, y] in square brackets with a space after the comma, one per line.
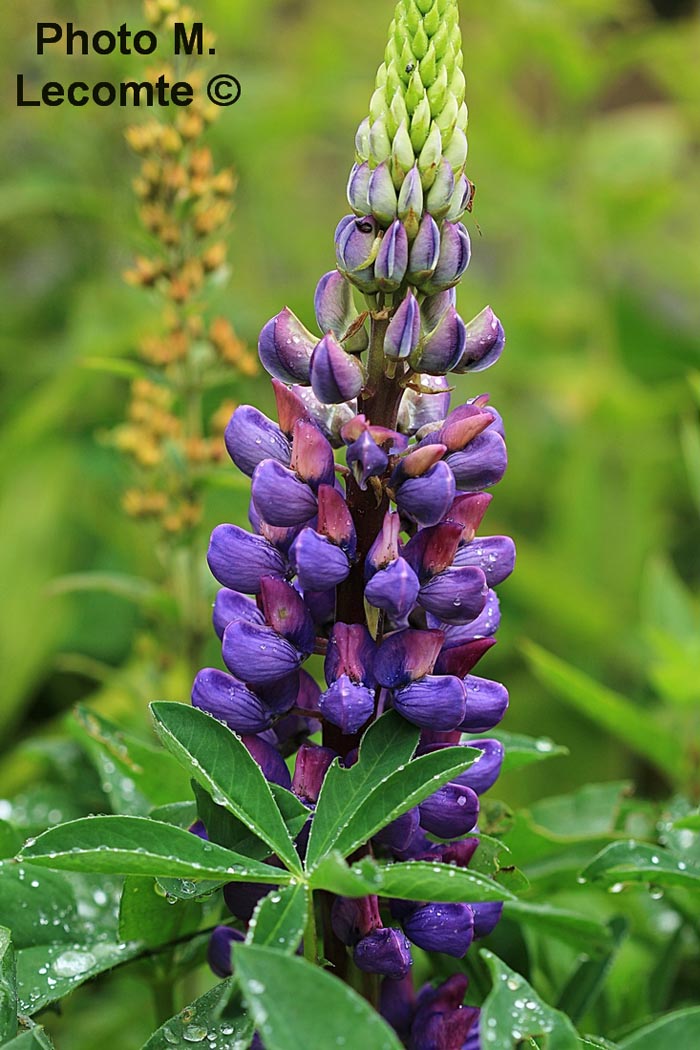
[584, 138]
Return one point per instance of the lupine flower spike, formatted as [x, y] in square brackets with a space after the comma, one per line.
[377, 561]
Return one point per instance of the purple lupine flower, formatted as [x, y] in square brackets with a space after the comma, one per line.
[377, 561]
[219, 949]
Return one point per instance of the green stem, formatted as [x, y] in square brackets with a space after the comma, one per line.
[310, 939]
[163, 999]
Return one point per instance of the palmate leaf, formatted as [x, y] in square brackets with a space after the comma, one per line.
[581, 931]
[218, 760]
[586, 982]
[8, 987]
[117, 845]
[39, 906]
[148, 916]
[521, 750]
[413, 880]
[355, 803]
[36, 1038]
[279, 919]
[641, 862]
[297, 1006]
[203, 1023]
[513, 1013]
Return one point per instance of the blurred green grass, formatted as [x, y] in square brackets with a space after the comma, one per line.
[584, 147]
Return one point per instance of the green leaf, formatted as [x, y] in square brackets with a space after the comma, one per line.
[36, 1038]
[181, 814]
[514, 1013]
[10, 840]
[641, 862]
[203, 1023]
[586, 982]
[680, 1029]
[48, 972]
[135, 588]
[596, 1042]
[384, 783]
[690, 442]
[118, 845]
[274, 985]
[413, 880]
[280, 918]
[147, 916]
[689, 823]
[592, 811]
[39, 906]
[135, 777]
[220, 762]
[581, 931]
[116, 366]
[632, 724]
[521, 750]
[8, 987]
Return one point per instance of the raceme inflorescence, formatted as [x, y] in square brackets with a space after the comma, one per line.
[365, 547]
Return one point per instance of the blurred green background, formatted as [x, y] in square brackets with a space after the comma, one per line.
[585, 147]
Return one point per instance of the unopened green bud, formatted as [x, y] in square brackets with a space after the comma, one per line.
[362, 140]
[430, 157]
[420, 42]
[398, 114]
[420, 125]
[415, 91]
[428, 66]
[402, 155]
[447, 119]
[411, 202]
[440, 193]
[437, 93]
[377, 106]
[456, 152]
[379, 143]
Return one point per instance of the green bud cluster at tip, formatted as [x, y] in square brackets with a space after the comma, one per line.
[418, 116]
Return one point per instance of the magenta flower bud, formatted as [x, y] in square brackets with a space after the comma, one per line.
[484, 342]
[427, 499]
[487, 915]
[392, 258]
[312, 456]
[481, 464]
[394, 589]
[469, 511]
[446, 928]
[385, 548]
[462, 426]
[354, 917]
[435, 702]
[483, 774]
[455, 253]
[285, 347]
[318, 563]
[366, 459]
[219, 949]
[251, 437]
[419, 409]
[400, 832]
[269, 759]
[290, 407]
[335, 375]
[335, 520]
[310, 768]
[425, 251]
[442, 1021]
[258, 655]
[462, 658]
[439, 197]
[242, 898]
[358, 184]
[410, 207]
[440, 351]
[456, 595]
[450, 812]
[239, 560]
[381, 194]
[229, 700]
[286, 613]
[417, 463]
[402, 335]
[230, 605]
[494, 555]
[487, 702]
[356, 247]
[405, 656]
[280, 497]
[484, 626]
[350, 652]
[432, 549]
[385, 951]
[347, 704]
